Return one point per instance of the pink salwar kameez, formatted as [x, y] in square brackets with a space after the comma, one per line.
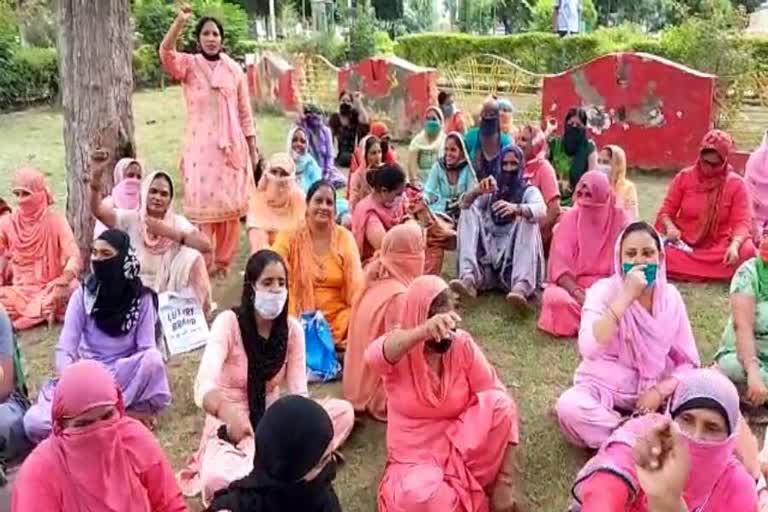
[447, 435]
[649, 349]
[582, 246]
[224, 366]
[215, 164]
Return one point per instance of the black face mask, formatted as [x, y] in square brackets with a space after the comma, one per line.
[573, 138]
[384, 149]
[440, 347]
[345, 109]
[110, 274]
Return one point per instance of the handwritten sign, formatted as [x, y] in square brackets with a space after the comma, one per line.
[184, 325]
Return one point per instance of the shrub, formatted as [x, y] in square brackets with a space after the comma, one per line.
[327, 44]
[30, 76]
[9, 31]
[147, 71]
[362, 33]
[154, 18]
[384, 45]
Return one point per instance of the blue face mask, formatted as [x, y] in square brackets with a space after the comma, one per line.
[650, 271]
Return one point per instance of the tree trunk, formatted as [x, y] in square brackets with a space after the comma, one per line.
[96, 79]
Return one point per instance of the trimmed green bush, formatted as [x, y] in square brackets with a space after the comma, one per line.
[30, 76]
[544, 52]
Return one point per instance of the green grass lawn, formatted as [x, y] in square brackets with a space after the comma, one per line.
[535, 367]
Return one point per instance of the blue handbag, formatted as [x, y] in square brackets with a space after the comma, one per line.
[322, 364]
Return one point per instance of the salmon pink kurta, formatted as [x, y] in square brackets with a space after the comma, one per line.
[710, 209]
[447, 435]
[40, 249]
[215, 164]
[224, 366]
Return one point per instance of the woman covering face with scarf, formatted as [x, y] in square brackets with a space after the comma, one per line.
[97, 458]
[573, 154]
[277, 205]
[706, 216]
[320, 143]
[40, 253]
[685, 460]
[111, 319]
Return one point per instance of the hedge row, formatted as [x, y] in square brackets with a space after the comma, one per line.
[30, 75]
[548, 53]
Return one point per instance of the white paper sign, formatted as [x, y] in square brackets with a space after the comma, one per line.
[184, 325]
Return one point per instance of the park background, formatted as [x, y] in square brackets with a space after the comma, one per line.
[715, 36]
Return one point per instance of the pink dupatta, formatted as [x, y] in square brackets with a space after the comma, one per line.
[223, 80]
[644, 340]
[757, 183]
[585, 235]
[126, 193]
[368, 208]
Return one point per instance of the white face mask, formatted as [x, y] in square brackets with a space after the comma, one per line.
[269, 305]
[604, 168]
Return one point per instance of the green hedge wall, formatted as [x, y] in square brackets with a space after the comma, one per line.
[548, 53]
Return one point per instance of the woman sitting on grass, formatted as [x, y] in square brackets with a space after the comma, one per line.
[452, 431]
[743, 355]
[40, 259]
[426, 146]
[381, 210]
[582, 252]
[97, 458]
[683, 461]
[307, 170]
[612, 161]
[499, 238]
[485, 142]
[111, 319]
[378, 311]
[540, 173]
[169, 248]
[706, 216]
[450, 179]
[573, 154]
[635, 339]
[277, 205]
[253, 351]
[126, 189]
[294, 465]
[359, 188]
[324, 263]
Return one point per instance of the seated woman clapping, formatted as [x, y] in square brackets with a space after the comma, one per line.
[39, 258]
[635, 339]
[253, 351]
[110, 319]
[97, 458]
[452, 431]
[169, 248]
